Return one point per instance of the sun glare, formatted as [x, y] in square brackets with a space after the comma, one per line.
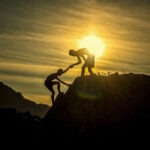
[94, 44]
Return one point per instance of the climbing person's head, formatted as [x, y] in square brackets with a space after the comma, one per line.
[59, 72]
[72, 52]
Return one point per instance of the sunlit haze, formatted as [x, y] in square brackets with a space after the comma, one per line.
[35, 38]
[94, 44]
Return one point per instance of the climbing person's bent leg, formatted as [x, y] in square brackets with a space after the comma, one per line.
[58, 85]
[49, 85]
[52, 96]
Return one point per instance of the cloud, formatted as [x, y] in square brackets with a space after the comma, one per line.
[35, 37]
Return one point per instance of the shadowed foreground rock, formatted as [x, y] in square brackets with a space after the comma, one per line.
[115, 105]
[93, 109]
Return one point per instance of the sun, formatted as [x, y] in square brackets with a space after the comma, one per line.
[94, 44]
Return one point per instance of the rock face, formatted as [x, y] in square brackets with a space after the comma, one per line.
[12, 99]
[94, 109]
[92, 102]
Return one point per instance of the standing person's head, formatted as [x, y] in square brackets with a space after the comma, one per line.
[59, 72]
[72, 52]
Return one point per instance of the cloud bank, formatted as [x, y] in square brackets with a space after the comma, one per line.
[35, 37]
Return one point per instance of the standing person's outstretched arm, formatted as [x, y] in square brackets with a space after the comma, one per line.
[79, 62]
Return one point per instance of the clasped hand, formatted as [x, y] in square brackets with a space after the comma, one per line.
[71, 66]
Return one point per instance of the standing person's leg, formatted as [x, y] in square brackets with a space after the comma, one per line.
[83, 70]
[90, 70]
[90, 63]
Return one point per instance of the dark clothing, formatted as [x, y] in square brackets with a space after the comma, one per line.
[49, 84]
[49, 81]
[83, 51]
[89, 62]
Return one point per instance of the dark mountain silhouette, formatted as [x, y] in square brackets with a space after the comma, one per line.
[17, 128]
[94, 109]
[12, 99]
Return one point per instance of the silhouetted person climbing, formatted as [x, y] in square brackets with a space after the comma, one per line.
[89, 59]
[50, 82]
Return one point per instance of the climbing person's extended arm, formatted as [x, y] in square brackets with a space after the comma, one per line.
[67, 69]
[62, 82]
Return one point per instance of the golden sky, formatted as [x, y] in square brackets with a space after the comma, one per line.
[35, 36]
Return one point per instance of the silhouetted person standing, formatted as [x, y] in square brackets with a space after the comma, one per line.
[87, 57]
[50, 82]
